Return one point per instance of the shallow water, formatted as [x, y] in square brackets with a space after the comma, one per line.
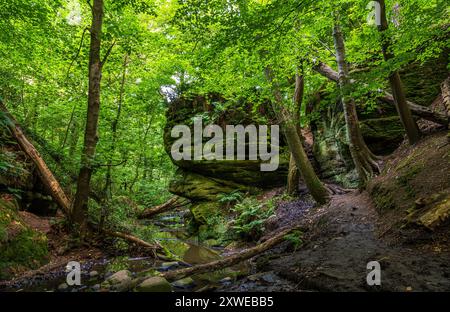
[187, 252]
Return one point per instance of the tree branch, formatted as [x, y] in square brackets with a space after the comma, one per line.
[107, 53]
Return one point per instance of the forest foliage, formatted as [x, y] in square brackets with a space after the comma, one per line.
[159, 50]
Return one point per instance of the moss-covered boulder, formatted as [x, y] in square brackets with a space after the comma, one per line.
[205, 210]
[154, 284]
[21, 248]
[214, 110]
[203, 181]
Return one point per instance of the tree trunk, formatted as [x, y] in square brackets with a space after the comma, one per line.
[293, 179]
[445, 90]
[418, 110]
[80, 206]
[315, 186]
[74, 136]
[363, 159]
[45, 174]
[114, 126]
[412, 131]
[141, 154]
[69, 125]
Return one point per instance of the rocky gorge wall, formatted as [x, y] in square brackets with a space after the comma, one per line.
[204, 181]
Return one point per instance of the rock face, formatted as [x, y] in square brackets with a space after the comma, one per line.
[439, 211]
[382, 135]
[381, 128]
[203, 181]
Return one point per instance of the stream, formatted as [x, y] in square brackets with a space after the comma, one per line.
[186, 252]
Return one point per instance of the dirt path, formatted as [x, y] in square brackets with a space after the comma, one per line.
[340, 241]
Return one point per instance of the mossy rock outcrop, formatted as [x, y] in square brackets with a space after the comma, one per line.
[199, 187]
[203, 181]
[382, 135]
[422, 81]
[244, 172]
[21, 248]
[247, 172]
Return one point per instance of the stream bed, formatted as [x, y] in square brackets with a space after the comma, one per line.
[185, 253]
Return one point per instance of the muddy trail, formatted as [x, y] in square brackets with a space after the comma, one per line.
[339, 241]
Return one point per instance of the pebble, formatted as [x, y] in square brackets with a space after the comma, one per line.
[96, 287]
[184, 283]
[227, 280]
[63, 286]
[93, 274]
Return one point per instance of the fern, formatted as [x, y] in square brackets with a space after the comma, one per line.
[230, 198]
[251, 216]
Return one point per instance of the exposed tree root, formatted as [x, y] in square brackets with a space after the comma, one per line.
[336, 189]
[366, 164]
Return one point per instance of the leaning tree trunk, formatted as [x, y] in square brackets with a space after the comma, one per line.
[45, 174]
[80, 206]
[315, 186]
[293, 173]
[412, 131]
[231, 260]
[363, 159]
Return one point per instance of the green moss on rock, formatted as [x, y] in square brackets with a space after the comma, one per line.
[203, 212]
[382, 197]
[382, 135]
[20, 247]
[200, 188]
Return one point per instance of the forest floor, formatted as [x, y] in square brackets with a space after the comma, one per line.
[340, 239]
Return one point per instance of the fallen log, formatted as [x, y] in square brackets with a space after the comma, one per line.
[45, 174]
[132, 239]
[59, 160]
[52, 184]
[174, 202]
[416, 109]
[231, 260]
[419, 110]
